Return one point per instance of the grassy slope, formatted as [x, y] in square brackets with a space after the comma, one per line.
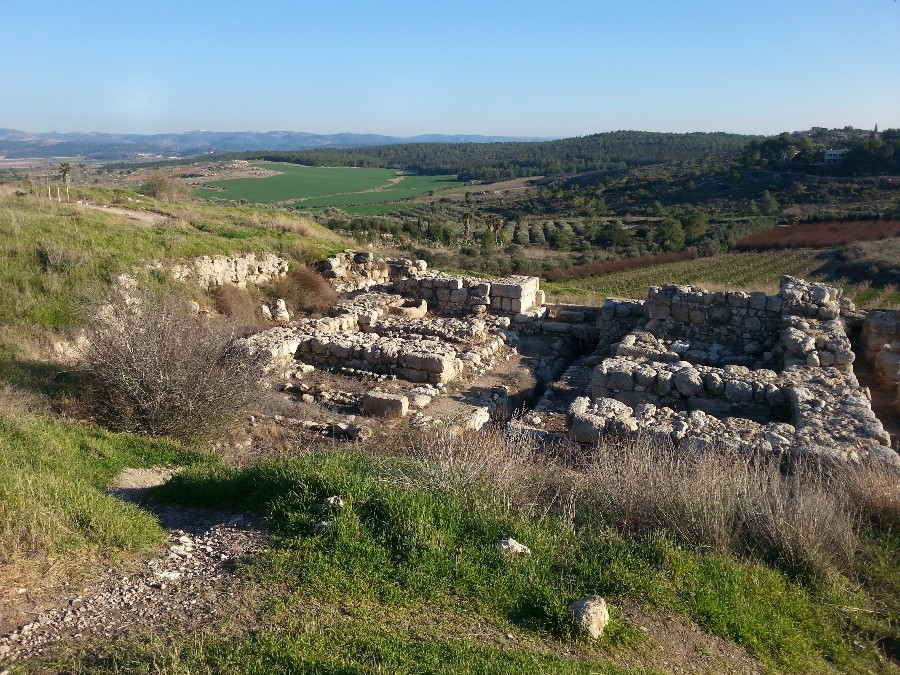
[431, 557]
[52, 481]
[55, 257]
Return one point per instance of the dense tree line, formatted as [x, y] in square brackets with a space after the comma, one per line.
[869, 153]
[493, 161]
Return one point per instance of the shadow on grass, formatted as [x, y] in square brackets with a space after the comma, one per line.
[54, 381]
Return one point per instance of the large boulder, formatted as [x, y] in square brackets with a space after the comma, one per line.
[383, 404]
[590, 615]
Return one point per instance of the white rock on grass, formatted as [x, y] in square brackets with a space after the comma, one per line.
[590, 614]
[511, 547]
[334, 502]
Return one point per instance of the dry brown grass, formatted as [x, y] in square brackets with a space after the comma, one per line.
[821, 235]
[241, 306]
[806, 517]
[305, 291]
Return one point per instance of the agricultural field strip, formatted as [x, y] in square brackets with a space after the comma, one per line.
[744, 269]
[751, 270]
[324, 186]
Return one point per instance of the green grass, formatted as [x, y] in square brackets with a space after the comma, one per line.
[328, 646]
[52, 482]
[358, 191]
[401, 547]
[751, 271]
[57, 258]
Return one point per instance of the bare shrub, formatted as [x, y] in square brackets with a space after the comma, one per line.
[161, 370]
[240, 305]
[304, 290]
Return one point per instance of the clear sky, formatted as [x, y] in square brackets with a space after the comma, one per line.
[405, 67]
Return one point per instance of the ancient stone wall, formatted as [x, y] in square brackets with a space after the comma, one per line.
[618, 317]
[368, 335]
[218, 270]
[459, 295]
[770, 372]
[881, 346]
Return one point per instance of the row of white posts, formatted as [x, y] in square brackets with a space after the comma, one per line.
[58, 195]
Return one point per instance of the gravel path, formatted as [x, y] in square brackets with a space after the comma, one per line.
[189, 584]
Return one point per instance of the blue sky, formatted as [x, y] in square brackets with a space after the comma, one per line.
[552, 68]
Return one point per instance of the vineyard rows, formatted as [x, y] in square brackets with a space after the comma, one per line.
[751, 271]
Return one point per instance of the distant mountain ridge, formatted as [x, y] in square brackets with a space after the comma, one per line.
[99, 145]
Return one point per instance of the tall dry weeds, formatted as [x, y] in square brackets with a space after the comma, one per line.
[805, 516]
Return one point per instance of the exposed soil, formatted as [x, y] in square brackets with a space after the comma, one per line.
[190, 583]
[148, 218]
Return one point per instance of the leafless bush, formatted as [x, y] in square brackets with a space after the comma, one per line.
[162, 371]
[240, 305]
[304, 290]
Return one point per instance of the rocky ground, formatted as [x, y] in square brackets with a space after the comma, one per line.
[190, 582]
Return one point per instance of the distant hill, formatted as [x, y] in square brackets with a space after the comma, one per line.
[496, 161]
[105, 146]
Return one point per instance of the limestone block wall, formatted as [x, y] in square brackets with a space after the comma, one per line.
[732, 390]
[732, 319]
[881, 346]
[617, 318]
[218, 270]
[459, 295]
[365, 335]
[421, 360]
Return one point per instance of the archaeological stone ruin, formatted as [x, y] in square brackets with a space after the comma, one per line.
[696, 368]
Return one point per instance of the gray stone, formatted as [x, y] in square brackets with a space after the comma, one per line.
[688, 382]
[382, 404]
[738, 391]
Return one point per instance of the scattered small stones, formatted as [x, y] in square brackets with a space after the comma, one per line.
[166, 592]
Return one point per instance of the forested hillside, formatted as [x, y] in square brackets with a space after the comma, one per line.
[493, 161]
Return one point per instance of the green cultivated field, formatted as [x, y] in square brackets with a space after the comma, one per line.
[364, 191]
[750, 271]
